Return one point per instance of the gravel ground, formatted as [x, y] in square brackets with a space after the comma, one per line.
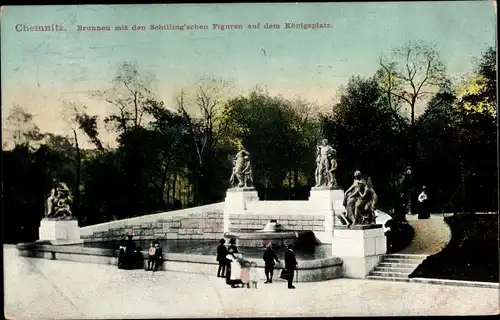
[431, 235]
[47, 289]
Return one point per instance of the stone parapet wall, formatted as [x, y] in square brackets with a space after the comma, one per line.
[200, 224]
[289, 222]
[309, 270]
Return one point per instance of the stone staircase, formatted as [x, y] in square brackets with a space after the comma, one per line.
[396, 267]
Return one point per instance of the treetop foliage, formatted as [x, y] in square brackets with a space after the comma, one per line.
[179, 155]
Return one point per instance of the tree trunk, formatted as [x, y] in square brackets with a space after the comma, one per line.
[289, 183]
[188, 193]
[267, 186]
[167, 191]
[161, 194]
[295, 177]
[465, 207]
[180, 188]
[78, 173]
[173, 189]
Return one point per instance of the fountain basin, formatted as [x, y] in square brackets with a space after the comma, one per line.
[319, 268]
[257, 238]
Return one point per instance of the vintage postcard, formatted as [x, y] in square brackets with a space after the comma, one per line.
[250, 160]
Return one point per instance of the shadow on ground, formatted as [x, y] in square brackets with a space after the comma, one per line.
[472, 253]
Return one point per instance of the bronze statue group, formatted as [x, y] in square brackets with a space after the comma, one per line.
[242, 170]
[360, 200]
[58, 204]
[238, 272]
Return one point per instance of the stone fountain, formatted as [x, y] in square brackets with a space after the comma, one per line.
[274, 232]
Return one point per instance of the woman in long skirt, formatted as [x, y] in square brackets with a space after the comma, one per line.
[233, 274]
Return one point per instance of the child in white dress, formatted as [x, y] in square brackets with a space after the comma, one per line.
[255, 275]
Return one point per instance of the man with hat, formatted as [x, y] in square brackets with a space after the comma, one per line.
[290, 265]
[231, 249]
[269, 260]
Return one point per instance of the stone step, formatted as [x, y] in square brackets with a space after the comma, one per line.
[388, 278]
[394, 269]
[399, 260]
[393, 264]
[407, 256]
[397, 265]
[389, 274]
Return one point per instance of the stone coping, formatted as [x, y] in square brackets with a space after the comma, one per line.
[152, 218]
[60, 219]
[180, 257]
[265, 235]
[67, 249]
[358, 227]
[327, 188]
[463, 283]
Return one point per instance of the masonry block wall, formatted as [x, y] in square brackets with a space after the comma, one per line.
[202, 223]
[253, 222]
[205, 226]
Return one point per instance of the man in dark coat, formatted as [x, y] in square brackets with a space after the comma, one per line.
[269, 260]
[158, 256]
[290, 265]
[221, 258]
[400, 207]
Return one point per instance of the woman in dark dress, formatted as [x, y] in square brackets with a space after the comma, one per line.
[130, 256]
[423, 200]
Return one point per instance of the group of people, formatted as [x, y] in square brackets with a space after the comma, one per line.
[421, 207]
[240, 272]
[155, 256]
[130, 256]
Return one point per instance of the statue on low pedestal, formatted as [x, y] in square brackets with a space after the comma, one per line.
[59, 203]
[365, 204]
[360, 200]
[326, 165]
[242, 170]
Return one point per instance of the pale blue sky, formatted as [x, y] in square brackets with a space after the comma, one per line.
[39, 69]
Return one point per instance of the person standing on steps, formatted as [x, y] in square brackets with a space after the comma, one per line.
[290, 265]
[269, 260]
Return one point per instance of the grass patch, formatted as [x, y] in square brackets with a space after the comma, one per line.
[471, 255]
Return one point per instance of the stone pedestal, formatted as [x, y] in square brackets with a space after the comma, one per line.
[360, 247]
[327, 198]
[60, 232]
[327, 201]
[236, 202]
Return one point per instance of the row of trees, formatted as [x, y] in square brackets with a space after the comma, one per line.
[180, 155]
